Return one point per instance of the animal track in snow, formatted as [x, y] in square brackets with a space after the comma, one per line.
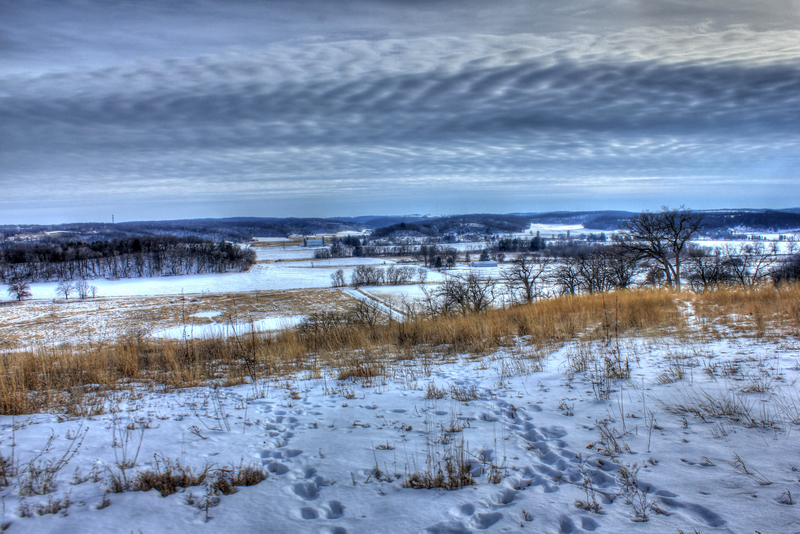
[485, 520]
[277, 468]
[306, 490]
[335, 510]
[308, 513]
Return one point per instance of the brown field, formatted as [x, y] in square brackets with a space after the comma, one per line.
[102, 320]
[48, 377]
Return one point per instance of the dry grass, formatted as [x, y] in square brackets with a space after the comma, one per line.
[101, 320]
[752, 312]
[45, 378]
[451, 471]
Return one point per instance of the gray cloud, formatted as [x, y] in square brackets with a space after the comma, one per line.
[620, 115]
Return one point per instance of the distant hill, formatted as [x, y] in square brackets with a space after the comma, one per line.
[230, 229]
[380, 221]
[765, 220]
[240, 229]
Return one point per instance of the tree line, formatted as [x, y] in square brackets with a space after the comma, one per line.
[134, 257]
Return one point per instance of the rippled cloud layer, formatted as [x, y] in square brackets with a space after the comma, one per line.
[387, 107]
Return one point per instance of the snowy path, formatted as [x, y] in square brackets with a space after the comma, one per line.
[383, 306]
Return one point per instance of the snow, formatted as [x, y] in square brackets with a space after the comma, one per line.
[411, 292]
[283, 253]
[346, 233]
[320, 441]
[208, 314]
[227, 329]
[261, 277]
[343, 262]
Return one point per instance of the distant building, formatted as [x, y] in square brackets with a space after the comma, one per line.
[313, 241]
[485, 263]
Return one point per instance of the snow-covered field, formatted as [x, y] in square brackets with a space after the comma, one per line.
[302, 272]
[225, 329]
[265, 277]
[289, 252]
[546, 452]
[260, 277]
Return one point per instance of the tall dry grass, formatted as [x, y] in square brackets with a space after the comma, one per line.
[75, 380]
[754, 311]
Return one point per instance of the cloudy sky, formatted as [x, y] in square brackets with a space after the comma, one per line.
[166, 109]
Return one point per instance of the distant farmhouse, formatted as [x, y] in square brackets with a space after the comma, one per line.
[313, 241]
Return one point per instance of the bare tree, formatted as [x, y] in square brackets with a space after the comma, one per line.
[623, 265]
[750, 264]
[525, 275]
[367, 275]
[706, 270]
[663, 237]
[338, 278]
[65, 289]
[19, 290]
[93, 291]
[788, 271]
[593, 273]
[366, 313]
[567, 276]
[82, 287]
[464, 294]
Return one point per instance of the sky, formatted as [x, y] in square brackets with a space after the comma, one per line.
[171, 109]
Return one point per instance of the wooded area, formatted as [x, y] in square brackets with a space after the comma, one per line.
[120, 258]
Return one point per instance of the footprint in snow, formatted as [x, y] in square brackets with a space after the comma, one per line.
[503, 497]
[699, 512]
[448, 527]
[307, 491]
[308, 513]
[553, 432]
[565, 525]
[335, 510]
[587, 523]
[482, 521]
[467, 509]
[277, 468]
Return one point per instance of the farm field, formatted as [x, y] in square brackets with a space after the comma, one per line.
[287, 286]
[103, 320]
